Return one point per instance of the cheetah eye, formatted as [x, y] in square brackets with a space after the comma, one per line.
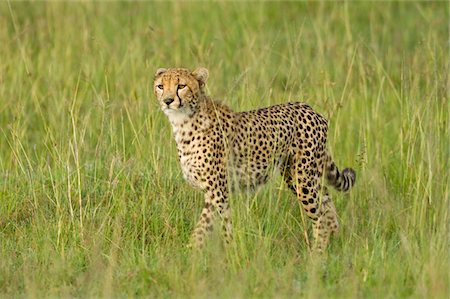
[181, 86]
[160, 86]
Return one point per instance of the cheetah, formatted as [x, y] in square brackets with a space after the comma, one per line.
[220, 151]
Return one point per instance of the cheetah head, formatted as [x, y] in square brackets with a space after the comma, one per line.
[178, 90]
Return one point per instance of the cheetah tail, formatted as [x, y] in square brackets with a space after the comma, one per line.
[342, 181]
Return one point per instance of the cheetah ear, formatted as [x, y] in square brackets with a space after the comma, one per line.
[201, 74]
[160, 71]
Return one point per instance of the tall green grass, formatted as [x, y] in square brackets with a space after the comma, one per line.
[92, 200]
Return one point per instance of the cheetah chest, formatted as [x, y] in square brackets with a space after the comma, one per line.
[192, 156]
[190, 167]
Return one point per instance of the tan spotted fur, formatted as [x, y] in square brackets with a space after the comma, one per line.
[221, 150]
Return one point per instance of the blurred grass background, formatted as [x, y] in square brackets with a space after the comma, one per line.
[92, 200]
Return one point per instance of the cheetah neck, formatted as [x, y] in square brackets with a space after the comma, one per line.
[185, 114]
[186, 123]
[177, 118]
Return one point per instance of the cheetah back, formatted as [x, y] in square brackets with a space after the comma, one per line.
[264, 140]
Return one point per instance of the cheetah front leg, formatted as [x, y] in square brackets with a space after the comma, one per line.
[216, 206]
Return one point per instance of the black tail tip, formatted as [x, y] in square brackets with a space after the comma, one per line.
[350, 173]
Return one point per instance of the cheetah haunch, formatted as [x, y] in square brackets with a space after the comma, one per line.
[220, 150]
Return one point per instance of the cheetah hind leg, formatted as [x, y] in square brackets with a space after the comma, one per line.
[315, 201]
[327, 222]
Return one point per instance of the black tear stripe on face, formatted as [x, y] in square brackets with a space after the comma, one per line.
[179, 96]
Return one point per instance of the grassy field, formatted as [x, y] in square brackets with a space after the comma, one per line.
[92, 200]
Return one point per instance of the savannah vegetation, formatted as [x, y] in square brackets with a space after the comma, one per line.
[92, 200]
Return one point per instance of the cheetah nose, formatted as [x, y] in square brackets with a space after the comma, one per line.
[168, 101]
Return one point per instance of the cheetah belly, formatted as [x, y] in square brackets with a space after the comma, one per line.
[249, 176]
